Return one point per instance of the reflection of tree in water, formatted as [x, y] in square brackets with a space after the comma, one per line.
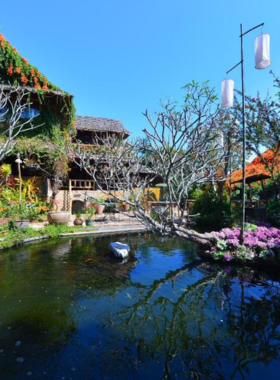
[214, 328]
[199, 321]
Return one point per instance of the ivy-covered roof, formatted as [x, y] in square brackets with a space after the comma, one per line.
[16, 70]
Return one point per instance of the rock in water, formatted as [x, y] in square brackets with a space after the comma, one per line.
[119, 249]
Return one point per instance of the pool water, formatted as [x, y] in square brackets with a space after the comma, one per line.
[69, 310]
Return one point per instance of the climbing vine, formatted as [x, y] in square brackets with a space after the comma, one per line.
[16, 70]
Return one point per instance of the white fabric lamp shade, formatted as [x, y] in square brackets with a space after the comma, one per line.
[227, 92]
[262, 51]
[220, 139]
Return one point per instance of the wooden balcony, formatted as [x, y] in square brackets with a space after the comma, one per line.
[81, 184]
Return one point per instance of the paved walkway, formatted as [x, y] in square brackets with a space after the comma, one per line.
[105, 224]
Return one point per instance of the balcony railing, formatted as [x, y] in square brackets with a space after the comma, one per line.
[81, 184]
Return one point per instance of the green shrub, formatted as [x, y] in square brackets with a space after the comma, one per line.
[273, 212]
[195, 193]
[215, 213]
[16, 236]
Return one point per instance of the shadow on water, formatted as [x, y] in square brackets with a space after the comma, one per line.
[70, 310]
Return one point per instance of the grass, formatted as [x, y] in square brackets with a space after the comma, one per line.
[17, 237]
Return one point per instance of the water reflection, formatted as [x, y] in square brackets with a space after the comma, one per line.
[68, 309]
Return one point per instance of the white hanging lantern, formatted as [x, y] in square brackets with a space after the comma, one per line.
[262, 51]
[220, 139]
[227, 92]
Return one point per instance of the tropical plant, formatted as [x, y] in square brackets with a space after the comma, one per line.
[79, 214]
[89, 211]
[5, 172]
[30, 188]
[214, 211]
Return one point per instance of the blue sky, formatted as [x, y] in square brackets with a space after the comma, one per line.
[120, 57]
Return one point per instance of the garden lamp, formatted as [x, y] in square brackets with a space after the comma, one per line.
[227, 93]
[262, 51]
[262, 61]
[19, 162]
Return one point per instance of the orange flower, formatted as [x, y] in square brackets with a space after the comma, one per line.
[10, 70]
[24, 60]
[15, 50]
[2, 38]
[45, 87]
[18, 70]
[37, 86]
[32, 72]
[35, 80]
[23, 79]
[2, 44]
[38, 74]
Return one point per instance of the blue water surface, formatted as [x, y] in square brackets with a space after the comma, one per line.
[69, 310]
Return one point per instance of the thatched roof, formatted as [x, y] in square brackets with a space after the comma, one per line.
[100, 124]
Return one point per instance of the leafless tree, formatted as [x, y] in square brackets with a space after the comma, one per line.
[181, 147]
[13, 102]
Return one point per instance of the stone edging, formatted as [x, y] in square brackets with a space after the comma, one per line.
[29, 240]
[108, 230]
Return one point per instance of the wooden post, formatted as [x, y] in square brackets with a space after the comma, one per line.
[70, 196]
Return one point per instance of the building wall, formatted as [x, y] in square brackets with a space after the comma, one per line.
[65, 201]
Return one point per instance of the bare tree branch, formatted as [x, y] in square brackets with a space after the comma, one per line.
[13, 102]
[180, 150]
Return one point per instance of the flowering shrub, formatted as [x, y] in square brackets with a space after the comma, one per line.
[18, 71]
[259, 241]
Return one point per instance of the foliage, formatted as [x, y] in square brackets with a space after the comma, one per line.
[79, 214]
[263, 131]
[89, 210]
[30, 188]
[5, 172]
[16, 237]
[259, 242]
[97, 200]
[50, 126]
[7, 195]
[27, 211]
[214, 211]
[195, 193]
[17, 70]
[273, 212]
[45, 154]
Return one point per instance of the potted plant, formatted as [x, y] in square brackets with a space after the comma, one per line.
[57, 217]
[99, 205]
[90, 212]
[79, 220]
[124, 206]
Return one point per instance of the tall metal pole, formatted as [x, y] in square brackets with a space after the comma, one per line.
[244, 126]
[243, 140]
